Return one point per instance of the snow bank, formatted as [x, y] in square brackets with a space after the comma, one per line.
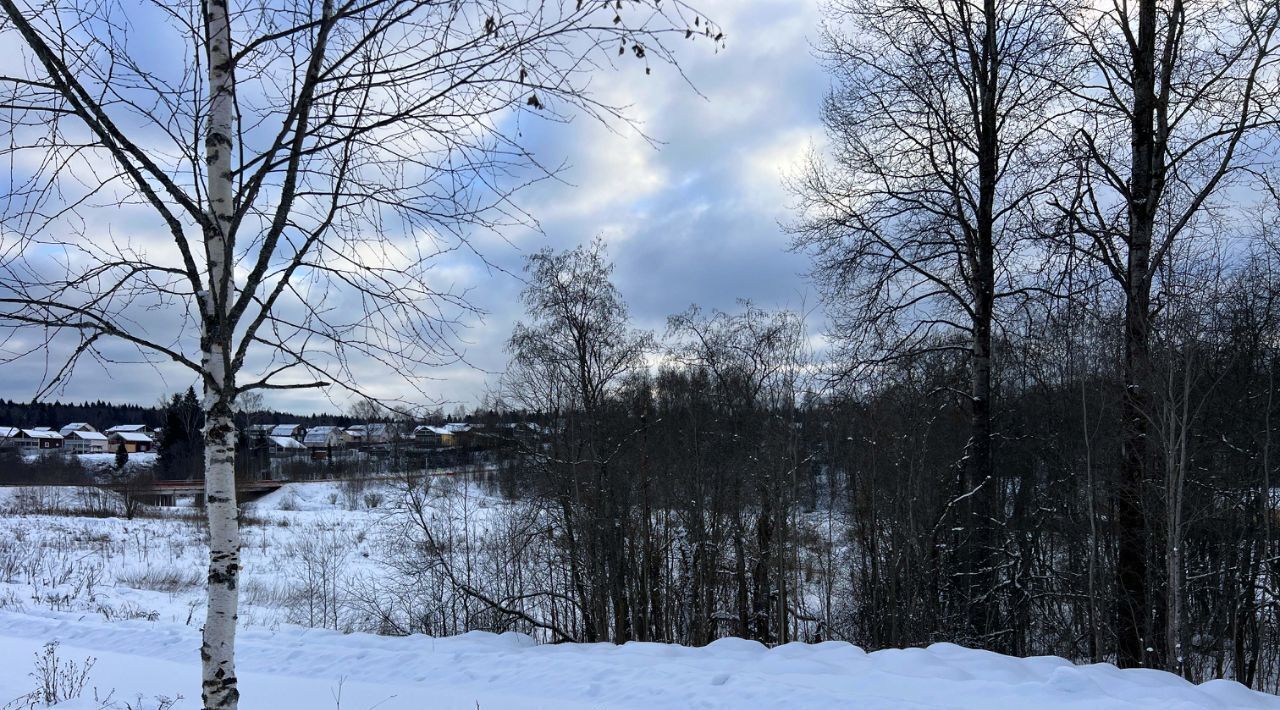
[297, 668]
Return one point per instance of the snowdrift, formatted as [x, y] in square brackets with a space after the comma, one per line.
[309, 669]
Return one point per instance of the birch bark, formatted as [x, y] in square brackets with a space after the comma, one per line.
[217, 651]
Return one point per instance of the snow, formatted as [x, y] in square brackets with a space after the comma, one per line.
[120, 428]
[139, 617]
[285, 442]
[139, 458]
[300, 668]
[132, 436]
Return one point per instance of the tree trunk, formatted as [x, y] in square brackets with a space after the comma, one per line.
[1132, 569]
[217, 652]
[979, 465]
[218, 649]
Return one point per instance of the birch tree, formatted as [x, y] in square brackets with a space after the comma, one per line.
[259, 192]
[571, 357]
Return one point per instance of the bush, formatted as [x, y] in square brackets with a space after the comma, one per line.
[58, 680]
[161, 579]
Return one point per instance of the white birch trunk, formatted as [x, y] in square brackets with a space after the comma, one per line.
[217, 652]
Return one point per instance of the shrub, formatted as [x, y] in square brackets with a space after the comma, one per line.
[57, 680]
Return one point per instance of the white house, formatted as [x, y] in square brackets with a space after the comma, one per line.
[79, 441]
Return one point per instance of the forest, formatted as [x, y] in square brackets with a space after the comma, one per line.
[740, 488]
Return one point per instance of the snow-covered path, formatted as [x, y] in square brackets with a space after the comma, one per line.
[301, 668]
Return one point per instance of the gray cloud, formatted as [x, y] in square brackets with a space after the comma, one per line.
[692, 220]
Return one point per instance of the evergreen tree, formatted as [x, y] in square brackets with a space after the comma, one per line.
[181, 446]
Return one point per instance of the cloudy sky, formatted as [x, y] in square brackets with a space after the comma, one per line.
[693, 220]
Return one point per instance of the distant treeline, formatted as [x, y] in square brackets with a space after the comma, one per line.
[103, 415]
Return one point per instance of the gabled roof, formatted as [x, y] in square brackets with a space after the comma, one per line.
[77, 426]
[285, 429]
[286, 442]
[136, 437]
[85, 435]
[457, 427]
[42, 434]
[322, 434]
[7, 432]
[127, 427]
[437, 430]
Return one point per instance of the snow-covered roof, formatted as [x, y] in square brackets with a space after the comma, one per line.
[86, 435]
[437, 430]
[285, 429]
[372, 432]
[286, 442]
[457, 427]
[42, 434]
[77, 426]
[133, 436]
[127, 427]
[7, 432]
[322, 434]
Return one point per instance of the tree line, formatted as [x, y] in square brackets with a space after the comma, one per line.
[720, 479]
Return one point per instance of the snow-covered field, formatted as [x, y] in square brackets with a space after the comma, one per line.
[127, 594]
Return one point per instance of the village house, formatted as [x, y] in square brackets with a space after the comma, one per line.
[435, 437]
[429, 437]
[259, 432]
[134, 442]
[357, 433]
[293, 431]
[131, 428]
[38, 438]
[82, 438]
[378, 433]
[284, 446]
[326, 437]
[459, 434]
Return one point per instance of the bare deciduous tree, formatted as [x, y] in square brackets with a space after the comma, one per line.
[1179, 105]
[571, 358]
[921, 222]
